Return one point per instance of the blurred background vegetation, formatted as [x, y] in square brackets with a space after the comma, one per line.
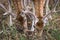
[51, 30]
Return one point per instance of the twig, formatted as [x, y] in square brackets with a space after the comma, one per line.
[3, 7]
[50, 12]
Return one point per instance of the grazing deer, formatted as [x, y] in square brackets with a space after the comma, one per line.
[30, 18]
